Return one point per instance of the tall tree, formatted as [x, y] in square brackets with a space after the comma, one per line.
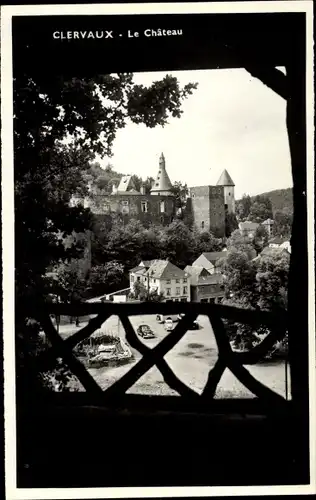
[282, 224]
[243, 207]
[261, 209]
[85, 113]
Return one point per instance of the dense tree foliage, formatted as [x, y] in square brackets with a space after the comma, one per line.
[282, 225]
[59, 126]
[261, 209]
[254, 284]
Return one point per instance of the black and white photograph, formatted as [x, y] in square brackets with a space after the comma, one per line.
[158, 232]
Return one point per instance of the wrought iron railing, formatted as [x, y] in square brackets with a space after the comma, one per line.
[227, 358]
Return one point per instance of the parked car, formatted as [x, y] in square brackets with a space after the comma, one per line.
[169, 324]
[145, 331]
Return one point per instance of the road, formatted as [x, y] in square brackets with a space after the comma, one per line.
[191, 360]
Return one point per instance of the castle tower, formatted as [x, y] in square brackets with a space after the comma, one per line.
[162, 184]
[226, 181]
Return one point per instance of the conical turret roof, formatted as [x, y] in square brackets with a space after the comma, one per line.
[225, 179]
[162, 182]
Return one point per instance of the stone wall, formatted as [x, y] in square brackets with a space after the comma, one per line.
[208, 209]
[145, 208]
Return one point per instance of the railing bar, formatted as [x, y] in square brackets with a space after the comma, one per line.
[129, 309]
[150, 359]
[87, 330]
[73, 363]
[242, 374]
[214, 376]
[169, 376]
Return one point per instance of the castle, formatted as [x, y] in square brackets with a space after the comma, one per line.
[206, 206]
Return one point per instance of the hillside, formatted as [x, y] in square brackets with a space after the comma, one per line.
[281, 199]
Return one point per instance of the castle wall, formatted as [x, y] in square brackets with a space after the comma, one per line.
[145, 208]
[208, 209]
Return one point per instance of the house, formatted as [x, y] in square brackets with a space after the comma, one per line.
[279, 242]
[205, 287]
[268, 225]
[209, 288]
[272, 252]
[163, 277]
[209, 260]
[248, 228]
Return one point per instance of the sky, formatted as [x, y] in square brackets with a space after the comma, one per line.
[232, 121]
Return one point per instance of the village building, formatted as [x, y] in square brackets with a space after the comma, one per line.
[205, 287]
[279, 242]
[268, 225]
[248, 228]
[163, 277]
[209, 261]
[206, 206]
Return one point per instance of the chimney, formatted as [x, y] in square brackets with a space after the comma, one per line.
[142, 189]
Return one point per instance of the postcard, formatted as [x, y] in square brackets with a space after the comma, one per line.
[158, 267]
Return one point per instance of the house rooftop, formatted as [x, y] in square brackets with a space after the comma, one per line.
[268, 222]
[278, 240]
[225, 179]
[248, 225]
[163, 269]
[213, 257]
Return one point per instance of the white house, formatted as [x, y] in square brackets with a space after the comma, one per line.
[279, 242]
[163, 277]
[268, 224]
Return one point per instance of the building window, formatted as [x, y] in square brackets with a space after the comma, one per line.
[168, 282]
[162, 206]
[161, 219]
[178, 290]
[228, 194]
[168, 290]
[138, 278]
[202, 224]
[184, 280]
[185, 290]
[144, 206]
[177, 281]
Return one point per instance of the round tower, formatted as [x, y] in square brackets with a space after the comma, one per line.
[162, 184]
[226, 181]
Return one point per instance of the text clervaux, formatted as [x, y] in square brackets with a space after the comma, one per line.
[110, 34]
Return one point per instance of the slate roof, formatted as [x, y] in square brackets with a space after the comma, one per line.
[162, 181]
[278, 240]
[163, 269]
[126, 185]
[250, 226]
[138, 269]
[213, 257]
[272, 252]
[225, 179]
[147, 263]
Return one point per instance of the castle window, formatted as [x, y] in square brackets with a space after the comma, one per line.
[178, 290]
[162, 206]
[144, 206]
[157, 183]
[185, 290]
[168, 290]
[202, 224]
[228, 194]
[161, 219]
